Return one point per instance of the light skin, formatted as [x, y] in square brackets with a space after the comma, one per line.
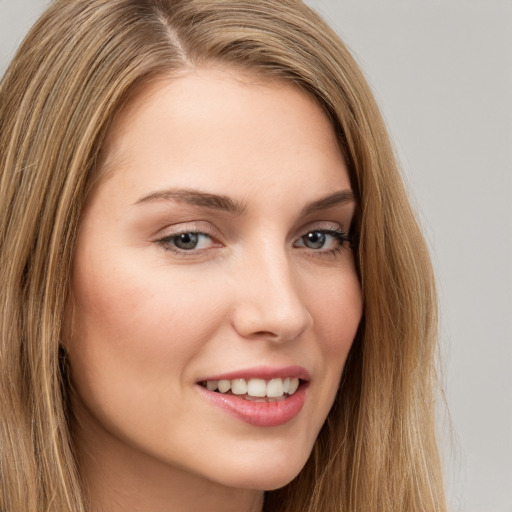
[252, 169]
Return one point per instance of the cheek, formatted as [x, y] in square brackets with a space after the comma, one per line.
[337, 310]
[132, 329]
[150, 306]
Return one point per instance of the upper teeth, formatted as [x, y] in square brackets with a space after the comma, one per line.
[255, 387]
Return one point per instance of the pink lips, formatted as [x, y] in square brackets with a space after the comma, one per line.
[261, 414]
[263, 372]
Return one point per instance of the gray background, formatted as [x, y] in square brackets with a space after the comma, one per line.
[442, 72]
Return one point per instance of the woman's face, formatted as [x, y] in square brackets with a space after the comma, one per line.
[213, 252]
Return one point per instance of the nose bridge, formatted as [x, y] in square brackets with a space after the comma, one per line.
[269, 299]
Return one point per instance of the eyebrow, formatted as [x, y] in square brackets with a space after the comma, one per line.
[224, 203]
[336, 199]
[197, 198]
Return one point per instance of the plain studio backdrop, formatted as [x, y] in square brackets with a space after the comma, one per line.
[442, 73]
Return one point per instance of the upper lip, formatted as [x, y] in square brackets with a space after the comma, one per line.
[262, 372]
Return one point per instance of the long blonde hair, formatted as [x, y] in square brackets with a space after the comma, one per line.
[71, 76]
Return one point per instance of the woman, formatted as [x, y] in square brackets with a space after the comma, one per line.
[175, 335]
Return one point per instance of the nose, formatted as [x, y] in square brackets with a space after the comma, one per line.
[269, 303]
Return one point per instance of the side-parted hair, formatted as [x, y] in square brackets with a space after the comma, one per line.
[72, 75]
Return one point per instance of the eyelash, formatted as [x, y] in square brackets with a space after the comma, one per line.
[342, 238]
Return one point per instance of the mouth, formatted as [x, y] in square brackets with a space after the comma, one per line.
[256, 390]
[262, 397]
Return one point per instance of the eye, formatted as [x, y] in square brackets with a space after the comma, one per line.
[315, 239]
[325, 240]
[187, 241]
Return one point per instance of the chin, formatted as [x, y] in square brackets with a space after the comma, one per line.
[264, 475]
[262, 480]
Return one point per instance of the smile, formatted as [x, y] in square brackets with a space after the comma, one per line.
[262, 396]
[257, 390]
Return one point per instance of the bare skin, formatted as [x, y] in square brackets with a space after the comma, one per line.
[170, 286]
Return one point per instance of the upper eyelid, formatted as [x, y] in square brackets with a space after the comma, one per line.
[205, 227]
[202, 226]
[188, 227]
[323, 226]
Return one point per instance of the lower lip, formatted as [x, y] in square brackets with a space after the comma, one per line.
[260, 414]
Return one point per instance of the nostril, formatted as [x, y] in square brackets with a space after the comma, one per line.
[266, 334]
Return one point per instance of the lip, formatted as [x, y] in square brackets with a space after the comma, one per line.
[263, 372]
[260, 414]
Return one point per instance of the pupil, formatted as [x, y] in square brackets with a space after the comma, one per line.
[186, 241]
[315, 239]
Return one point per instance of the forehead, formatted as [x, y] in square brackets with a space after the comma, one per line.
[213, 126]
[223, 93]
